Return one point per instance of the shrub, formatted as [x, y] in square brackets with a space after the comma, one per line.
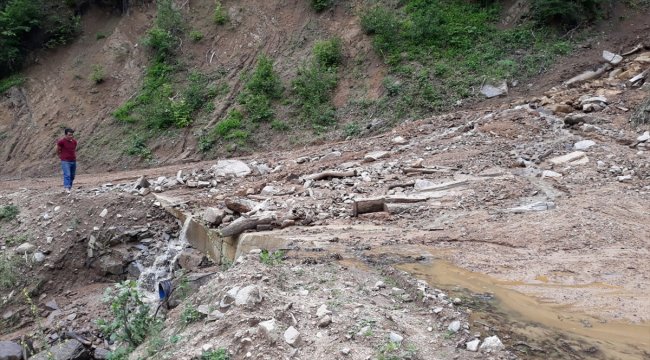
[219, 354]
[219, 16]
[8, 271]
[320, 5]
[231, 122]
[328, 52]
[264, 80]
[313, 88]
[257, 107]
[196, 36]
[190, 315]
[97, 76]
[11, 81]
[131, 319]
[138, 147]
[566, 14]
[8, 212]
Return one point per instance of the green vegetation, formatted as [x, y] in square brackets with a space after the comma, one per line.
[20, 19]
[320, 5]
[262, 87]
[9, 270]
[441, 51]
[395, 351]
[196, 36]
[219, 16]
[131, 322]
[219, 354]
[8, 212]
[190, 315]
[567, 14]
[271, 258]
[97, 76]
[315, 82]
[11, 81]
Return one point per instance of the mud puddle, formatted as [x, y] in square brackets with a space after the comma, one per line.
[534, 328]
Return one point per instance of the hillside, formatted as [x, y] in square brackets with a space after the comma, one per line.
[515, 227]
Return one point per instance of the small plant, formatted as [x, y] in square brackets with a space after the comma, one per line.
[230, 123]
[8, 212]
[279, 125]
[9, 270]
[320, 5]
[97, 76]
[219, 354]
[100, 35]
[271, 258]
[131, 321]
[219, 16]
[352, 129]
[11, 81]
[328, 52]
[190, 315]
[196, 35]
[138, 147]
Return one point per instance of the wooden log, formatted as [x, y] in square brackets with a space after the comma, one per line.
[408, 184]
[365, 206]
[331, 174]
[242, 224]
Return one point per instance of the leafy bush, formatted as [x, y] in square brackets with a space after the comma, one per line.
[264, 80]
[231, 122]
[97, 76]
[196, 36]
[312, 89]
[11, 81]
[219, 16]
[131, 319]
[8, 212]
[328, 52]
[257, 107]
[320, 5]
[219, 354]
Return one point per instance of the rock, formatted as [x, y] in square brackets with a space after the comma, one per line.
[549, 173]
[203, 309]
[375, 155]
[229, 298]
[25, 248]
[325, 321]
[491, 344]
[472, 345]
[612, 58]
[398, 140]
[584, 144]
[624, 178]
[269, 190]
[322, 311]
[569, 158]
[643, 58]
[213, 215]
[134, 269]
[454, 326]
[38, 257]
[101, 354]
[231, 167]
[379, 285]
[269, 330]
[423, 184]
[9, 350]
[215, 315]
[110, 265]
[292, 336]
[490, 91]
[331, 155]
[141, 183]
[395, 338]
[103, 213]
[560, 108]
[248, 296]
[345, 351]
[190, 259]
[52, 305]
[645, 137]
[537, 206]
[68, 350]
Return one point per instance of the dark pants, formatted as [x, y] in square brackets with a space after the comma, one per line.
[69, 169]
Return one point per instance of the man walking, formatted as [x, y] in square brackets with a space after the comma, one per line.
[66, 148]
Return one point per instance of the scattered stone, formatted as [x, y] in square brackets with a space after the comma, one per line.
[213, 216]
[492, 344]
[379, 285]
[550, 173]
[25, 248]
[231, 167]
[103, 213]
[561, 108]
[624, 178]
[612, 58]
[375, 155]
[570, 158]
[325, 321]
[537, 206]
[52, 305]
[584, 144]
[68, 350]
[473, 345]
[395, 338]
[454, 326]
[645, 137]
[345, 351]
[322, 311]
[9, 350]
[398, 140]
[490, 91]
[292, 336]
[101, 354]
[248, 296]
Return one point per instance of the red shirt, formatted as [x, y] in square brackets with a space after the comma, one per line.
[67, 149]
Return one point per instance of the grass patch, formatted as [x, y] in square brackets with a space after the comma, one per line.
[98, 74]
[11, 81]
[190, 315]
[271, 258]
[440, 51]
[219, 16]
[219, 354]
[9, 271]
[9, 212]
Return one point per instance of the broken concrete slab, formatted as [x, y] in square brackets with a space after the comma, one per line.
[612, 58]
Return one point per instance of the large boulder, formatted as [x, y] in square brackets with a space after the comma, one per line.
[68, 350]
[9, 350]
[231, 167]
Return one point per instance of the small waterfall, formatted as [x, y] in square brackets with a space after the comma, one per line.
[163, 265]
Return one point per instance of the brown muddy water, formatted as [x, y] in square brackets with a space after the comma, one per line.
[537, 329]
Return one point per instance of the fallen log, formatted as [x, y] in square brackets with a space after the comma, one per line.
[364, 206]
[240, 205]
[408, 184]
[242, 224]
[425, 170]
[588, 75]
[637, 48]
[331, 174]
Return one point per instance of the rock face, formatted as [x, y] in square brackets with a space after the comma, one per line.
[9, 350]
[67, 350]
